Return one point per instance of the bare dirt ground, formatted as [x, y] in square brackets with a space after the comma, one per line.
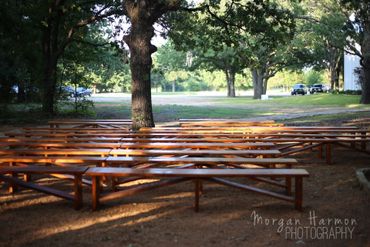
[165, 217]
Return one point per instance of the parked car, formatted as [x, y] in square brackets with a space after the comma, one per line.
[319, 88]
[299, 89]
[81, 91]
[68, 91]
[78, 92]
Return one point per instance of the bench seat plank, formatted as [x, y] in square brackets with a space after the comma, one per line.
[44, 169]
[193, 173]
[56, 151]
[52, 160]
[201, 160]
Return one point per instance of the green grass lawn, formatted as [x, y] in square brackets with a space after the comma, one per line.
[239, 107]
[216, 107]
[163, 113]
[338, 100]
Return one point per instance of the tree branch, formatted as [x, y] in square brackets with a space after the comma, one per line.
[85, 22]
[90, 43]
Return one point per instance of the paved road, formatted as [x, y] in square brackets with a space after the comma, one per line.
[201, 98]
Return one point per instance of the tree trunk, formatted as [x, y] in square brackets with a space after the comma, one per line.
[21, 95]
[333, 77]
[49, 86]
[230, 79]
[49, 75]
[264, 83]
[173, 86]
[365, 46]
[50, 53]
[257, 77]
[5, 91]
[335, 67]
[141, 49]
[142, 15]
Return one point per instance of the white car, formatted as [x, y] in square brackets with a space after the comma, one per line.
[81, 91]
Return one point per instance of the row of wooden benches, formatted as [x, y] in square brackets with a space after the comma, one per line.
[177, 148]
[287, 143]
[127, 123]
[171, 176]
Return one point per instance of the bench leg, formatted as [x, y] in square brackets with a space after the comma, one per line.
[27, 177]
[95, 192]
[319, 155]
[201, 187]
[78, 191]
[298, 193]
[353, 144]
[197, 194]
[328, 153]
[363, 144]
[13, 187]
[288, 184]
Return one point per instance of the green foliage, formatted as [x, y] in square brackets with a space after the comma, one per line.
[348, 92]
[313, 77]
[19, 57]
[177, 67]
[286, 80]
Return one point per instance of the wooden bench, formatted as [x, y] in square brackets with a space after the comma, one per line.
[108, 123]
[201, 162]
[12, 160]
[138, 152]
[227, 123]
[76, 172]
[47, 145]
[185, 120]
[236, 162]
[59, 139]
[181, 175]
[197, 145]
[73, 130]
[198, 153]
[362, 122]
[132, 161]
[250, 129]
[63, 135]
[56, 152]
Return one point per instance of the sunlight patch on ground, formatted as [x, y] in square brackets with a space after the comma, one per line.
[105, 218]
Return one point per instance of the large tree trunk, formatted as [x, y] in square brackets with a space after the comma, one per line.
[257, 77]
[141, 49]
[230, 79]
[335, 67]
[5, 91]
[141, 63]
[49, 87]
[173, 86]
[143, 14]
[365, 46]
[50, 53]
[49, 72]
[264, 83]
[21, 95]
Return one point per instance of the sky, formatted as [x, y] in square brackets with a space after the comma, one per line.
[157, 40]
